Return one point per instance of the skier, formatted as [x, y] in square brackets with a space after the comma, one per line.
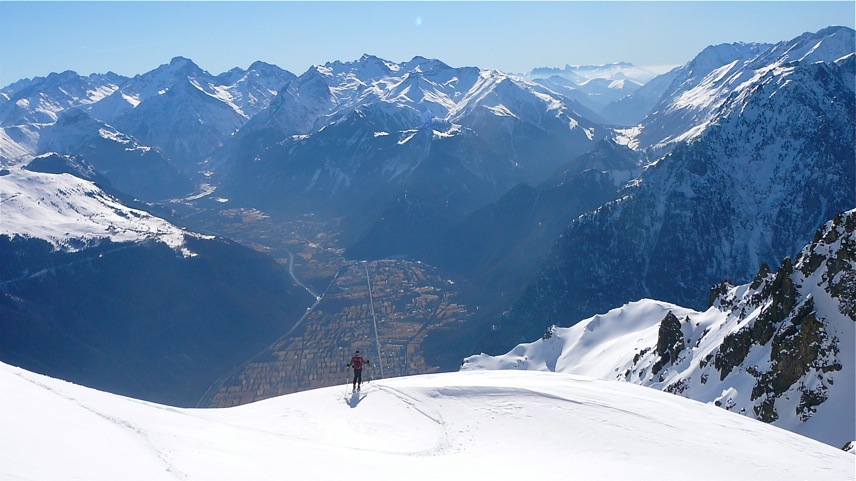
[357, 362]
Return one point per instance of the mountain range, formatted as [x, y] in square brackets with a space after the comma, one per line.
[557, 194]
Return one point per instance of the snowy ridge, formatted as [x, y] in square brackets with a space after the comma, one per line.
[71, 213]
[495, 425]
[415, 92]
[780, 349]
[702, 86]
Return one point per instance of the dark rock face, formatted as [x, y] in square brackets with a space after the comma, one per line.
[670, 341]
[803, 349]
[838, 277]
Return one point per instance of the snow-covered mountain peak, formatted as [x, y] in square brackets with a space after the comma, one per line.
[41, 100]
[715, 56]
[182, 66]
[421, 89]
[424, 65]
[263, 69]
[75, 128]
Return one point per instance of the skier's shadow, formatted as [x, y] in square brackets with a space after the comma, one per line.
[355, 399]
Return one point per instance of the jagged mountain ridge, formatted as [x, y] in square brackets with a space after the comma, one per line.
[204, 106]
[751, 189]
[402, 98]
[187, 112]
[779, 349]
[40, 100]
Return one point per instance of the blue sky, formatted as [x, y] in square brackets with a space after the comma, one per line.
[130, 38]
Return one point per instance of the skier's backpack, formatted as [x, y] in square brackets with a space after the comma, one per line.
[357, 362]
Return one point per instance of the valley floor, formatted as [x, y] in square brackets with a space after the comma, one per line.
[408, 300]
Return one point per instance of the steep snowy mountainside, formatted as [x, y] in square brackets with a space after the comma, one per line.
[185, 122]
[145, 86]
[71, 213]
[250, 91]
[826, 45]
[776, 163]
[706, 83]
[629, 110]
[573, 97]
[244, 91]
[779, 349]
[498, 425]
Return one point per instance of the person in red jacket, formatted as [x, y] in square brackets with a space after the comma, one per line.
[357, 362]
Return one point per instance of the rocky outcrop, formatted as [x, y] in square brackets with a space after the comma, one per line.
[670, 341]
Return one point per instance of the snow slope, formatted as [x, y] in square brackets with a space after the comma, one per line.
[70, 213]
[482, 425]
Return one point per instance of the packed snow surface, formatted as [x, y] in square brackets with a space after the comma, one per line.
[467, 425]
